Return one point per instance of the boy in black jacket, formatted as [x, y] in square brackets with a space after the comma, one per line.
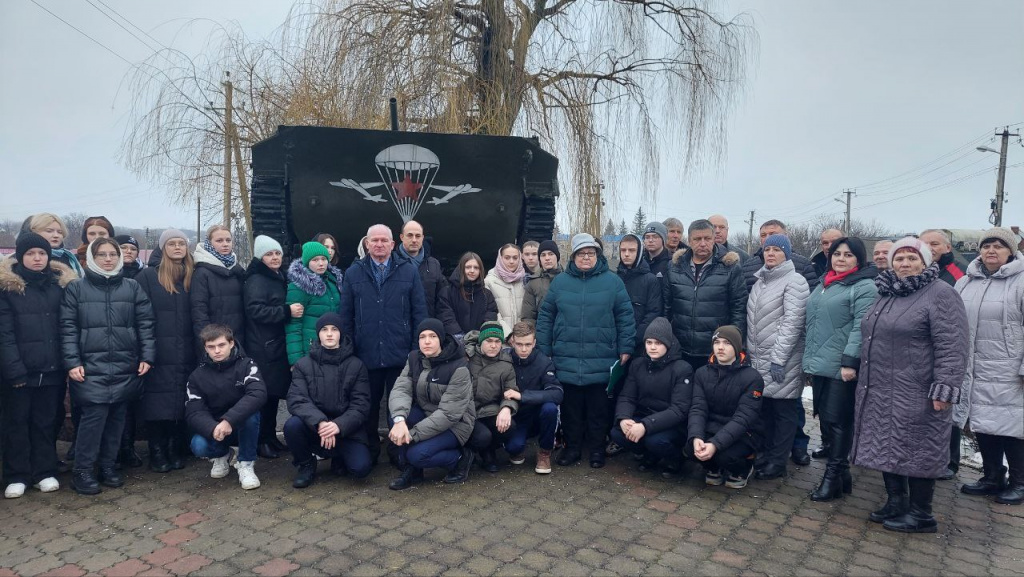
[539, 396]
[222, 406]
[329, 400]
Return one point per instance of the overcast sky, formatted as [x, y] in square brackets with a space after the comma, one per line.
[842, 94]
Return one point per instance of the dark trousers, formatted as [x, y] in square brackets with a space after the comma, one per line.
[540, 421]
[993, 447]
[800, 438]
[735, 460]
[29, 437]
[442, 451]
[585, 419]
[667, 445]
[697, 361]
[130, 424]
[780, 419]
[304, 442]
[485, 436]
[954, 449]
[268, 419]
[246, 437]
[381, 383]
[98, 436]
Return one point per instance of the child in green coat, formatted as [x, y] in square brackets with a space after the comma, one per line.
[313, 283]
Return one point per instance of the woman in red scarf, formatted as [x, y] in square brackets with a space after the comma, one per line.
[832, 355]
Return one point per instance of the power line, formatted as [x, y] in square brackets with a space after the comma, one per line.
[111, 18]
[970, 143]
[944, 185]
[79, 30]
[979, 160]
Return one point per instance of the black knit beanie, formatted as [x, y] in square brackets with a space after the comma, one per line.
[549, 245]
[29, 240]
[731, 334]
[660, 330]
[432, 325]
[328, 319]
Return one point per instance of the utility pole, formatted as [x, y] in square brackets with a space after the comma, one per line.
[243, 188]
[750, 234]
[199, 219]
[997, 204]
[849, 199]
[228, 127]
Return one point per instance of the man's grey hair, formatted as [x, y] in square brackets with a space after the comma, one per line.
[942, 234]
[701, 224]
[773, 222]
[379, 228]
[673, 222]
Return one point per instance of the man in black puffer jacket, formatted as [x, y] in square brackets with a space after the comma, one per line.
[416, 249]
[223, 401]
[539, 396]
[802, 264]
[704, 291]
[725, 414]
[329, 401]
[643, 287]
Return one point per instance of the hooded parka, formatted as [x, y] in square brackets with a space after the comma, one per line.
[266, 314]
[536, 288]
[726, 404]
[442, 388]
[318, 294]
[491, 378]
[163, 397]
[657, 393]
[216, 295]
[508, 297]
[697, 307]
[775, 328]
[992, 399]
[645, 293]
[106, 326]
[331, 385]
[460, 315]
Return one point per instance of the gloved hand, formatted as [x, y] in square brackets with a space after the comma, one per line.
[778, 373]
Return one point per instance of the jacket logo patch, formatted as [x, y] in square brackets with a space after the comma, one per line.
[756, 394]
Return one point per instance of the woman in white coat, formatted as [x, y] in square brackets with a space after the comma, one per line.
[775, 342]
[992, 397]
[505, 281]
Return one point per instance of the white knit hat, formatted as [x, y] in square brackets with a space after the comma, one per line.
[264, 244]
[915, 243]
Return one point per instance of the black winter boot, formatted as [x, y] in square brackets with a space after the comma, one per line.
[84, 482]
[897, 504]
[836, 479]
[568, 457]
[919, 518]
[158, 447]
[306, 475]
[460, 474]
[175, 447]
[409, 476]
[992, 483]
[109, 477]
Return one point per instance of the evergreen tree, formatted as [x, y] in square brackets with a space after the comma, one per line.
[639, 222]
[622, 228]
[609, 229]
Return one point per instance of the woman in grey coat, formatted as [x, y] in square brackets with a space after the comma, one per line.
[992, 401]
[913, 359]
[775, 342]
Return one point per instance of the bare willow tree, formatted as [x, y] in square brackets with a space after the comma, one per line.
[605, 84]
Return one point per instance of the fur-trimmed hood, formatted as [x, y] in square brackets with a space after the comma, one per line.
[308, 281]
[12, 282]
[729, 258]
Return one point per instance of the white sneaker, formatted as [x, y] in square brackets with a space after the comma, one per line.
[48, 485]
[247, 475]
[14, 490]
[221, 465]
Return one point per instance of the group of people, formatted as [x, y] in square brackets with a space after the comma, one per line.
[688, 351]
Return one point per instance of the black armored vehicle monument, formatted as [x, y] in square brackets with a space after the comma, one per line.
[469, 192]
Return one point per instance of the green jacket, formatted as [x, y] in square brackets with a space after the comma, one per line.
[833, 323]
[318, 294]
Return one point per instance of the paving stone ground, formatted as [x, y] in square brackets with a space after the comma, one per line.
[576, 521]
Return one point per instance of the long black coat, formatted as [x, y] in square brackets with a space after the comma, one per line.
[726, 404]
[657, 393]
[332, 385]
[106, 326]
[30, 323]
[434, 281]
[645, 292]
[266, 315]
[697, 307]
[163, 396]
[216, 295]
[460, 315]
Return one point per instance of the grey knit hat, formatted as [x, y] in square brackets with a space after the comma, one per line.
[1003, 235]
[659, 229]
[583, 240]
[168, 235]
[660, 330]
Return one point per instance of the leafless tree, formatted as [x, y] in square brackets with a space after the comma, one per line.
[806, 236]
[603, 83]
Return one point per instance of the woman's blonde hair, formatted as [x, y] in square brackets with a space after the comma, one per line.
[215, 228]
[169, 273]
[40, 221]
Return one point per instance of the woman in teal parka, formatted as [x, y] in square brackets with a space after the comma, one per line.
[832, 355]
[585, 325]
[313, 283]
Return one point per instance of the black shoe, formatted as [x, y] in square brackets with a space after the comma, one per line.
[265, 451]
[338, 468]
[919, 518]
[771, 471]
[409, 476]
[158, 458]
[1013, 495]
[109, 477]
[277, 444]
[85, 483]
[568, 457]
[176, 452]
[305, 475]
[831, 486]
[948, 475]
[648, 464]
[800, 457]
[597, 459]
[821, 452]
[993, 483]
[897, 504]
[490, 462]
[672, 470]
[63, 467]
[460, 474]
[128, 457]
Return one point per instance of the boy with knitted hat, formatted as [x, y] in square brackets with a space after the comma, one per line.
[491, 370]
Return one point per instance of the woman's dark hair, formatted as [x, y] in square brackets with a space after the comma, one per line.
[855, 245]
[320, 238]
[96, 244]
[460, 272]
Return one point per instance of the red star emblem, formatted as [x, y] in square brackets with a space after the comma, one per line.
[407, 188]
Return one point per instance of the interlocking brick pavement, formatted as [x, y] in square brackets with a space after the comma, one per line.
[576, 521]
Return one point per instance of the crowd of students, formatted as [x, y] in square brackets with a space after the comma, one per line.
[687, 352]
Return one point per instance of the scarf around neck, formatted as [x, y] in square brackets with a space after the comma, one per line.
[66, 256]
[417, 260]
[832, 276]
[94, 266]
[889, 284]
[509, 277]
[228, 260]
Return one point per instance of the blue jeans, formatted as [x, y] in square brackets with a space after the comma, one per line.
[666, 445]
[246, 437]
[304, 442]
[442, 451]
[533, 420]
